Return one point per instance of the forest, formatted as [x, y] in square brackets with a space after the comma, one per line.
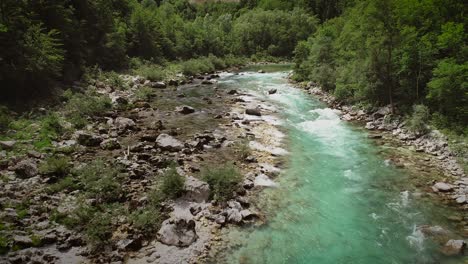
[405, 52]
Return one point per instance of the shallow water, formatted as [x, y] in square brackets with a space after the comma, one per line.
[338, 201]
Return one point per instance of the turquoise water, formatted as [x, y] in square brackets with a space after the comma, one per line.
[338, 201]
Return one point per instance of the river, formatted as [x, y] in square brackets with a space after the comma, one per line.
[338, 200]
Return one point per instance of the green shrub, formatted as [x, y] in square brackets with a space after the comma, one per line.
[242, 150]
[56, 165]
[151, 72]
[67, 183]
[197, 66]
[100, 181]
[146, 221]
[4, 247]
[79, 105]
[113, 79]
[99, 229]
[144, 93]
[218, 63]
[418, 120]
[223, 181]
[172, 183]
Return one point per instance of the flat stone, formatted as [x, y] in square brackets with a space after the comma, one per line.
[7, 145]
[454, 247]
[166, 142]
[442, 187]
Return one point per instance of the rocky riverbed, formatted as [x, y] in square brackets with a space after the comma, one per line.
[192, 123]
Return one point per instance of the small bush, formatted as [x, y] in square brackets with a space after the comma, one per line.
[146, 221]
[56, 165]
[223, 181]
[4, 247]
[242, 150]
[173, 183]
[144, 93]
[99, 230]
[113, 79]
[100, 181]
[417, 122]
[218, 63]
[197, 66]
[80, 105]
[67, 183]
[151, 72]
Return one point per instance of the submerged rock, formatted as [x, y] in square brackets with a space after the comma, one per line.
[185, 109]
[454, 247]
[272, 91]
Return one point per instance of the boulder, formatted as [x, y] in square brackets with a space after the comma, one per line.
[442, 187]
[234, 216]
[159, 85]
[272, 91]
[179, 232]
[87, 139]
[173, 82]
[231, 92]
[166, 142]
[247, 215]
[185, 109]
[123, 123]
[7, 145]
[22, 241]
[196, 190]
[261, 71]
[110, 144]
[383, 111]
[454, 247]
[26, 169]
[253, 111]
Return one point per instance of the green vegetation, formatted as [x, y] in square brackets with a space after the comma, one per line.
[79, 106]
[172, 183]
[386, 52]
[56, 165]
[418, 121]
[223, 181]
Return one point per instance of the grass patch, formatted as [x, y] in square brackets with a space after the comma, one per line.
[79, 106]
[223, 181]
[68, 183]
[151, 72]
[144, 93]
[146, 221]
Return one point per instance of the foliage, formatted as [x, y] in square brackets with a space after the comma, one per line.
[99, 229]
[172, 183]
[67, 183]
[100, 181]
[56, 165]
[80, 105]
[151, 72]
[146, 220]
[223, 181]
[417, 123]
[5, 118]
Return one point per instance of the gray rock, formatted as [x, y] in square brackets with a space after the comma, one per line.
[159, 85]
[185, 109]
[166, 142]
[7, 145]
[247, 215]
[220, 220]
[110, 144]
[22, 241]
[232, 92]
[26, 169]
[123, 123]
[234, 216]
[129, 244]
[87, 139]
[178, 232]
[454, 247]
[253, 111]
[196, 190]
[261, 71]
[442, 187]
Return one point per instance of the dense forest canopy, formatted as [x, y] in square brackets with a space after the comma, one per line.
[371, 52]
